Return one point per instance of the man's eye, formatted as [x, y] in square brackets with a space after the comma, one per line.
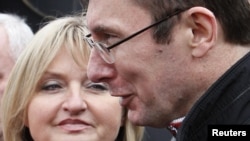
[109, 39]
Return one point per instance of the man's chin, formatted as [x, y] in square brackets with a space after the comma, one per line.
[135, 118]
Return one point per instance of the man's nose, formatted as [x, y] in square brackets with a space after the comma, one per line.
[98, 70]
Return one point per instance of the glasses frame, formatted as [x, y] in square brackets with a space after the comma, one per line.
[105, 50]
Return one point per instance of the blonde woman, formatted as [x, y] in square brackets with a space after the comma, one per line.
[49, 97]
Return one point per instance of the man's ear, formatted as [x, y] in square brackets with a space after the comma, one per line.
[204, 30]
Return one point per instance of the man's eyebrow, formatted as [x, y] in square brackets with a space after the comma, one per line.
[100, 28]
[103, 28]
[97, 30]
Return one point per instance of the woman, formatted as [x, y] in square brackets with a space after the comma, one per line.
[49, 98]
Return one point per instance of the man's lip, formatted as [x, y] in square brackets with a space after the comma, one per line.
[125, 100]
[74, 125]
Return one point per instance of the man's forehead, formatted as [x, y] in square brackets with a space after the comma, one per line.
[101, 16]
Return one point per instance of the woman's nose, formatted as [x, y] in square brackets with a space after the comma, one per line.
[75, 103]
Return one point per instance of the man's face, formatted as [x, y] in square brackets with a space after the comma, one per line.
[147, 76]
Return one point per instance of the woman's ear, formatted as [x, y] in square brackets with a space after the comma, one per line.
[26, 121]
[204, 30]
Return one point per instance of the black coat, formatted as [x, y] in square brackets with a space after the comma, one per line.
[226, 102]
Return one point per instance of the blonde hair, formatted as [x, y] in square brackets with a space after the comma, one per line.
[31, 65]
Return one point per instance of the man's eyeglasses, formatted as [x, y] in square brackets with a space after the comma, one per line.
[104, 50]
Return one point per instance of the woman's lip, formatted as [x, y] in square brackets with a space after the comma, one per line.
[74, 125]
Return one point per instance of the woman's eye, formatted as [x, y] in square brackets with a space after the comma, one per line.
[51, 86]
[98, 86]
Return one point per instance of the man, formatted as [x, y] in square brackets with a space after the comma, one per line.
[171, 60]
[14, 35]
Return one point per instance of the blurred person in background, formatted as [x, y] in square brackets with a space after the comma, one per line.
[15, 33]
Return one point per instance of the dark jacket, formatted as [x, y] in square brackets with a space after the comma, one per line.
[227, 101]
